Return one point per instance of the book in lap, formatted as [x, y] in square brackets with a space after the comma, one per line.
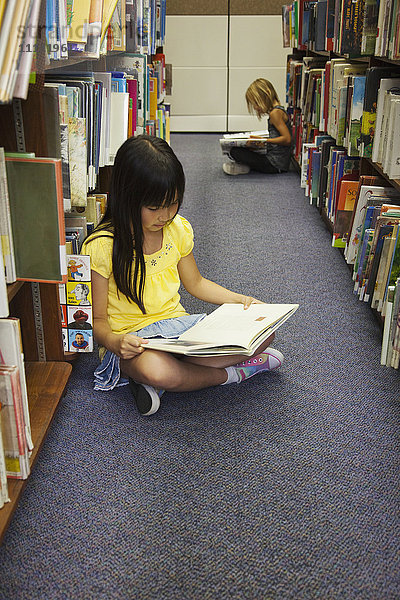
[254, 140]
[230, 329]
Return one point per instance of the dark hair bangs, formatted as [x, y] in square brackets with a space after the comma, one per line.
[164, 189]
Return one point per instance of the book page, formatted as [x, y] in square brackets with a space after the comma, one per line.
[245, 134]
[228, 330]
[231, 324]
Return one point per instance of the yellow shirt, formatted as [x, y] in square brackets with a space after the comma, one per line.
[161, 297]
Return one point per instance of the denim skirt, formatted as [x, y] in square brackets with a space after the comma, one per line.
[107, 376]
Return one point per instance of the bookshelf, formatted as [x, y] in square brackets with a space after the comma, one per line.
[367, 165]
[24, 128]
[46, 382]
[343, 117]
[37, 307]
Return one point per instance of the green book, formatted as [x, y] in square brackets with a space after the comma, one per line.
[37, 218]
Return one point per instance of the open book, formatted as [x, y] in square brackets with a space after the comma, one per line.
[255, 140]
[230, 329]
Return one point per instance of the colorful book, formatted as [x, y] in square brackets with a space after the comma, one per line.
[380, 235]
[351, 29]
[372, 84]
[16, 452]
[346, 197]
[11, 353]
[364, 198]
[76, 306]
[4, 497]
[356, 114]
[385, 85]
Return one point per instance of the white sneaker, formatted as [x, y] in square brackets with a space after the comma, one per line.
[235, 168]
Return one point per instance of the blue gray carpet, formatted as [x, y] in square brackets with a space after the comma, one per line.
[283, 487]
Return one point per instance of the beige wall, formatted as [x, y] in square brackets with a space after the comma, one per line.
[222, 7]
[215, 56]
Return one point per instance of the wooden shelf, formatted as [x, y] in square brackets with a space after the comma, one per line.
[46, 383]
[13, 289]
[378, 168]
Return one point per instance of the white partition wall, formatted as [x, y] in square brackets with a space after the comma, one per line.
[264, 57]
[196, 47]
[214, 58]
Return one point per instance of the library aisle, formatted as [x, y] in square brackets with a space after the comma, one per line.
[284, 487]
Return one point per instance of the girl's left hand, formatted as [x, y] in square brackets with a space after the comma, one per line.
[247, 300]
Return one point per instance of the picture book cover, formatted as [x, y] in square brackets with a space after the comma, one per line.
[393, 160]
[389, 230]
[380, 283]
[304, 173]
[369, 27]
[366, 223]
[76, 306]
[77, 143]
[388, 268]
[362, 180]
[372, 84]
[385, 84]
[385, 125]
[371, 218]
[78, 30]
[356, 114]
[375, 256]
[346, 197]
[365, 247]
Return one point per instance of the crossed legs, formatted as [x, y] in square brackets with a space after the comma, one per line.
[165, 371]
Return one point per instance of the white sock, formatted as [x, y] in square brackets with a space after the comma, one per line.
[233, 375]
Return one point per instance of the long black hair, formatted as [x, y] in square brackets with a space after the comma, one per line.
[146, 172]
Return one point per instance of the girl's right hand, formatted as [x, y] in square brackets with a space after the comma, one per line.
[129, 346]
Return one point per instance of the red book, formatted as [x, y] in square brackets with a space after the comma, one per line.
[300, 46]
[132, 91]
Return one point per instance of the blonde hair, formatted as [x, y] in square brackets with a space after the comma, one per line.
[261, 97]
